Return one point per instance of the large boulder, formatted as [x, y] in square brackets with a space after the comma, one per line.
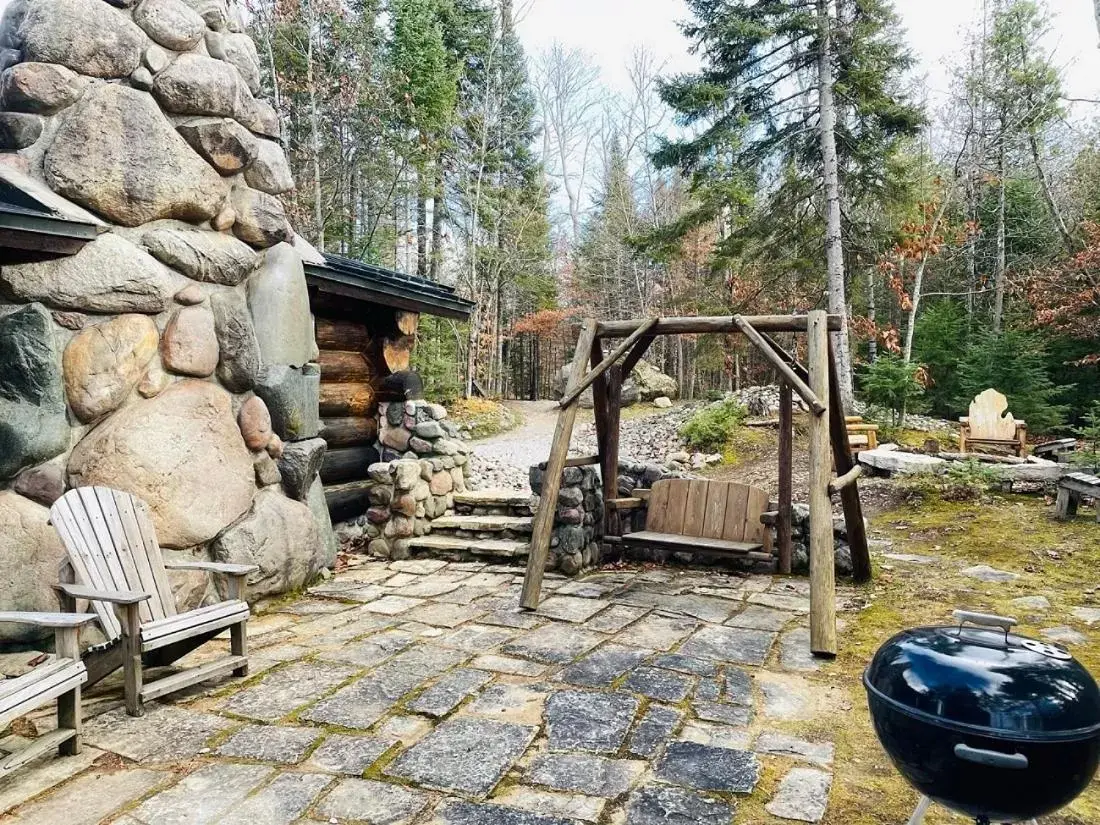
[888, 459]
[278, 299]
[238, 351]
[104, 363]
[270, 171]
[281, 537]
[30, 554]
[238, 50]
[215, 13]
[199, 85]
[261, 219]
[19, 130]
[42, 88]
[87, 36]
[222, 142]
[33, 427]
[318, 506]
[172, 23]
[190, 346]
[652, 383]
[299, 465]
[201, 255]
[109, 275]
[293, 398]
[181, 453]
[117, 154]
[630, 393]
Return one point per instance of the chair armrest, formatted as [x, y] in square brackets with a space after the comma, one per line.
[79, 591]
[48, 619]
[213, 567]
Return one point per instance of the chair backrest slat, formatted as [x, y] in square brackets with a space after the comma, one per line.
[103, 546]
[695, 509]
[67, 521]
[658, 505]
[737, 502]
[677, 503]
[144, 520]
[714, 520]
[132, 537]
[131, 561]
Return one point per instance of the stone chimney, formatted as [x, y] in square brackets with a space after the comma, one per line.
[174, 355]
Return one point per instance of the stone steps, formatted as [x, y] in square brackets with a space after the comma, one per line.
[483, 524]
[498, 548]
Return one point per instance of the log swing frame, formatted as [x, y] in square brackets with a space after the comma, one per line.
[816, 384]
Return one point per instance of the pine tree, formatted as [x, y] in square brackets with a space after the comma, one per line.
[794, 113]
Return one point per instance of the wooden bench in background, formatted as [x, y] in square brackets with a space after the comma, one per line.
[861, 436]
[700, 516]
[1071, 489]
[991, 425]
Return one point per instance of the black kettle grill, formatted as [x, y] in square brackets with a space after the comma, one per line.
[993, 725]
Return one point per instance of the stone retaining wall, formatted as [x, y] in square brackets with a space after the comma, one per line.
[578, 521]
[424, 466]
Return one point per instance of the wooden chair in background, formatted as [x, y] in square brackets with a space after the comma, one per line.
[115, 563]
[991, 425]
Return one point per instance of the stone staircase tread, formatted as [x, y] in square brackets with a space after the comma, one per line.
[520, 524]
[493, 498]
[478, 547]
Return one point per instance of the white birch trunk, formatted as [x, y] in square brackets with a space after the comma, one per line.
[834, 244]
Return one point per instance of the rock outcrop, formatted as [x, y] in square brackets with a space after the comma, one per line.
[279, 302]
[201, 256]
[105, 362]
[87, 36]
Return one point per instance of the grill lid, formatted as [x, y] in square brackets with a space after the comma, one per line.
[980, 677]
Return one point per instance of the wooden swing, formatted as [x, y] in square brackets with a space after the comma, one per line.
[816, 384]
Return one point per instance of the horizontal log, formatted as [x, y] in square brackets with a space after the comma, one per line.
[339, 366]
[342, 335]
[355, 431]
[582, 461]
[397, 353]
[721, 324]
[346, 501]
[407, 322]
[625, 503]
[352, 399]
[347, 464]
[840, 482]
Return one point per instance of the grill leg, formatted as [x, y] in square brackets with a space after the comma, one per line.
[922, 808]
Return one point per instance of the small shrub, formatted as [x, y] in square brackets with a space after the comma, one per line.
[711, 428]
[1088, 452]
[483, 417]
[715, 395]
[891, 383]
[963, 482]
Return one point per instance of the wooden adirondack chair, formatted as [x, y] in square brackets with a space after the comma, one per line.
[991, 425]
[58, 679]
[114, 561]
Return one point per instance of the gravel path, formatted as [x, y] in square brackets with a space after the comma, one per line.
[502, 461]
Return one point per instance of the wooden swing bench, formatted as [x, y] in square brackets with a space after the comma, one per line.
[700, 516]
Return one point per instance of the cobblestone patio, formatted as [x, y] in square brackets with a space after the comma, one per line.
[415, 692]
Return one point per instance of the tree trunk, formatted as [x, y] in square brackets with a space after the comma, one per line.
[315, 144]
[438, 211]
[423, 192]
[834, 244]
[1048, 195]
[918, 285]
[1000, 274]
[872, 311]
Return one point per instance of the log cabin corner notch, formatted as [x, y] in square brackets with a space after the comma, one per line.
[366, 320]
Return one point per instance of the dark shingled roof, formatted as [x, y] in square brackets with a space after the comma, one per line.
[387, 287]
[29, 229]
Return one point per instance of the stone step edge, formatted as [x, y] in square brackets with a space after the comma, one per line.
[490, 498]
[484, 524]
[478, 547]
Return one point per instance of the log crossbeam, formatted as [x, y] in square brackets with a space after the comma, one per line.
[785, 369]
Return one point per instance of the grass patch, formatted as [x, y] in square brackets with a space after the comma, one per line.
[484, 417]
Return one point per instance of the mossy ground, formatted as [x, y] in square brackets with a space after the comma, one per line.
[1016, 533]
[484, 417]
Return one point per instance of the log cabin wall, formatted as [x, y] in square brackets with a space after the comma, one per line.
[360, 345]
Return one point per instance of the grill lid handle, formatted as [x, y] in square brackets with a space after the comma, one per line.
[1005, 623]
[992, 759]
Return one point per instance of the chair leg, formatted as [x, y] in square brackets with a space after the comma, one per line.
[131, 657]
[67, 646]
[238, 645]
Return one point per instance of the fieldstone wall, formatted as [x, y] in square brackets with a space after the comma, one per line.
[578, 520]
[424, 465]
[174, 355]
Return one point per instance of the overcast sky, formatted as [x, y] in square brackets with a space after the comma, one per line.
[611, 29]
